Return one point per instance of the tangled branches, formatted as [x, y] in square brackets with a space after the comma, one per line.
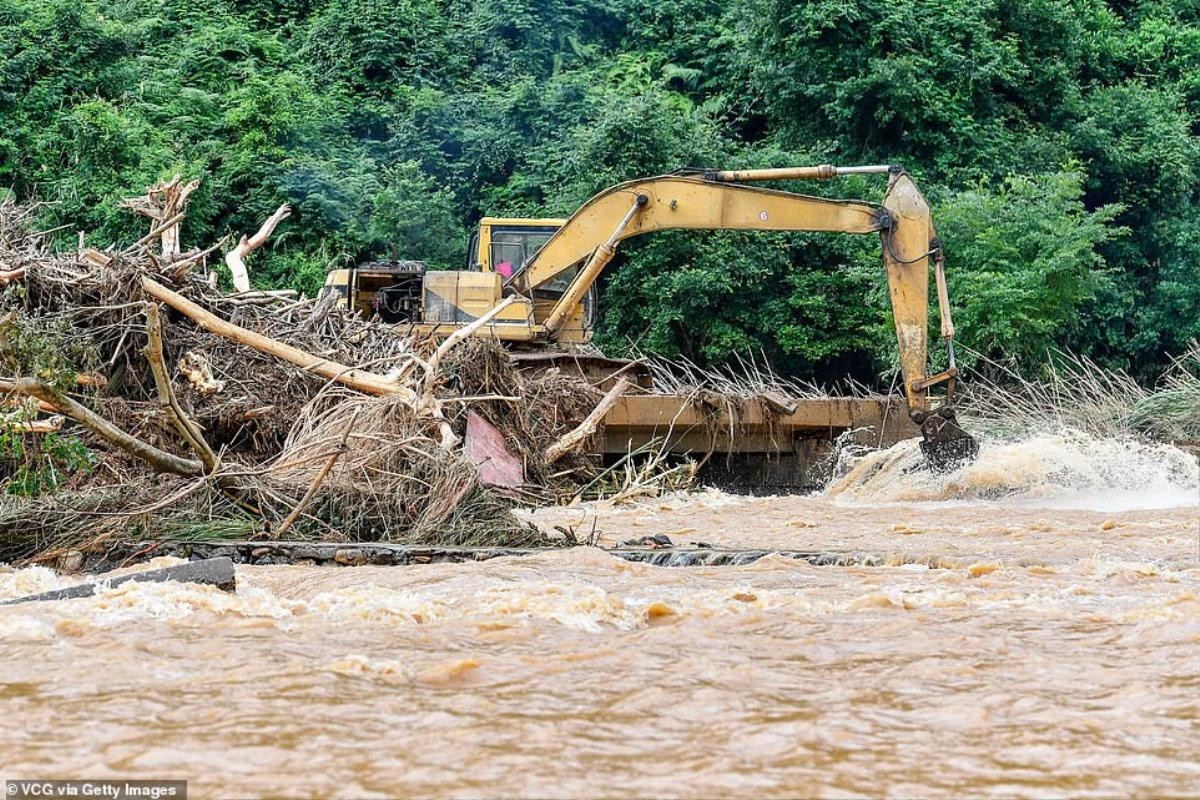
[255, 414]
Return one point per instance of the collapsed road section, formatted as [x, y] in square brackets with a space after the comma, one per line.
[265, 553]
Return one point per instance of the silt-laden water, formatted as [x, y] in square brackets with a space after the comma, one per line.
[1052, 649]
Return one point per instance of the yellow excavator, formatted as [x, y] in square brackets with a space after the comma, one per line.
[533, 280]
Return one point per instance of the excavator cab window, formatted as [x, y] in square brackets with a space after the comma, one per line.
[513, 246]
[473, 252]
[506, 255]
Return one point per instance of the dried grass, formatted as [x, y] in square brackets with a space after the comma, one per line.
[272, 423]
[1078, 394]
[743, 377]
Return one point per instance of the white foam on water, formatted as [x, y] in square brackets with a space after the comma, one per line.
[32, 580]
[1063, 470]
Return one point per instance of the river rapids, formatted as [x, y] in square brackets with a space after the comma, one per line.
[1034, 632]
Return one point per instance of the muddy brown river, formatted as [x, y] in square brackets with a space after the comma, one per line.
[1036, 635]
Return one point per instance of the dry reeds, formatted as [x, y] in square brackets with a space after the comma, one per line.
[1076, 393]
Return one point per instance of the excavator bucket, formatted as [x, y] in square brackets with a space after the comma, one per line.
[945, 444]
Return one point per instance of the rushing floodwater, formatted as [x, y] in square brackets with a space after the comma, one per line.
[1053, 649]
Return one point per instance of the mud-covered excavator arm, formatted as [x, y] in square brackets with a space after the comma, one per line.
[717, 200]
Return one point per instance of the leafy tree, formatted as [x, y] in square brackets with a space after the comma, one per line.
[398, 124]
[1023, 261]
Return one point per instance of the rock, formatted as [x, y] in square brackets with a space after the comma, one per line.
[349, 557]
[658, 611]
[72, 561]
[980, 569]
[218, 572]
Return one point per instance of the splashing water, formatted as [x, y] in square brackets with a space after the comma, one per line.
[996, 651]
[1066, 469]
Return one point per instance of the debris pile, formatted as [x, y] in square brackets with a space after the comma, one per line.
[142, 402]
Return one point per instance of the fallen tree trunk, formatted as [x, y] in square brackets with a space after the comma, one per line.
[161, 460]
[16, 402]
[362, 380]
[574, 439]
[423, 403]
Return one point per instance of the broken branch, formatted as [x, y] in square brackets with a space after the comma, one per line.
[184, 264]
[166, 395]
[462, 333]
[52, 425]
[235, 258]
[575, 438]
[160, 230]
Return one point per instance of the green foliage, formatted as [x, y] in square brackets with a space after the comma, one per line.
[33, 464]
[1023, 260]
[395, 125]
[411, 212]
[798, 299]
[34, 346]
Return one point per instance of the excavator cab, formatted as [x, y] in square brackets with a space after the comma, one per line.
[504, 245]
[435, 301]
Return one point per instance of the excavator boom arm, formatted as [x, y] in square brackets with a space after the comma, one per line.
[712, 202]
[690, 202]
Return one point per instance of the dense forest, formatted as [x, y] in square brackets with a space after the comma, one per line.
[1056, 140]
